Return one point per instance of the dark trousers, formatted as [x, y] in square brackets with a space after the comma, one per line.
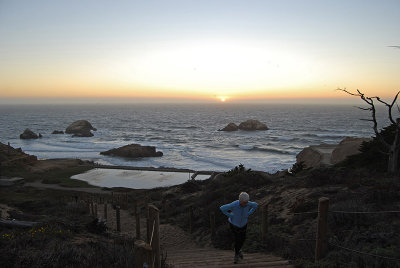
[239, 234]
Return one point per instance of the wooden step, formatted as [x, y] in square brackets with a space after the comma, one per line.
[222, 258]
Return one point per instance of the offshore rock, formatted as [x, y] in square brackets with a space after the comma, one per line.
[83, 134]
[253, 125]
[133, 151]
[57, 132]
[80, 128]
[230, 127]
[29, 134]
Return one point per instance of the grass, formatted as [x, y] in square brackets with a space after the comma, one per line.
[53, 246]
[64, 238]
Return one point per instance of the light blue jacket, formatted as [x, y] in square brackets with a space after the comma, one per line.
[238, 215]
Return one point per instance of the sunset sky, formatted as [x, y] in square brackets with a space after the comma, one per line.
[198, 50]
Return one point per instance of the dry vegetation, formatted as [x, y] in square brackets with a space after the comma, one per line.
[67, 237]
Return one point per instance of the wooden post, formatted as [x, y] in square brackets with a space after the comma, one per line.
[137, 225]
[154, 218]
[264, 222]
[148, 229]
[118, 219]
[105, 210]
[212, 223]
[91, 208]
[191, 219]
[148, 222]
[88, 206]
[143, 254]
[135, 206]
[166, 210]
[321, 246]
[95, 210]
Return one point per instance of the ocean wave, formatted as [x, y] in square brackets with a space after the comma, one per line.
[260, 149]
[209, 160]
[246, 147]
[327, 136]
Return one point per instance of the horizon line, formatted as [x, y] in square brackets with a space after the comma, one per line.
[347, 100]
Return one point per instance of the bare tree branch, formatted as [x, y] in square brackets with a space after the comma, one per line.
[370, 102]
[348, 92]
[390, 106]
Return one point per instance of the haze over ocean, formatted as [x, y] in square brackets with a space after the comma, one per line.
[187, 134]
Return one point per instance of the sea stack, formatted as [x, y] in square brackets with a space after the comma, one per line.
[230, 127]
[252, 125]
[133, 151]
[80, 128]
[29, 134]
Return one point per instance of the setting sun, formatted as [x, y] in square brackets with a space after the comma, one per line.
[222, 98]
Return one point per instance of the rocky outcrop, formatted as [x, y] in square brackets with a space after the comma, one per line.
[80, 128]
[29, 134]
[329, 154]
[315, 155]
[133, 151]
[57, 132]
[83, 134]
[15, 157]
[348, 146]
[246, 125]
[230, 127]
[252, 125]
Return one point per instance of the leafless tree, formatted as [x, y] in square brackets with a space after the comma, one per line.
[392, 149]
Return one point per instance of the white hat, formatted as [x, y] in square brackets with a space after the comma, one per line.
[244, 197]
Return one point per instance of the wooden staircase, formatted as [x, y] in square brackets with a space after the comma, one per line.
[181, 250]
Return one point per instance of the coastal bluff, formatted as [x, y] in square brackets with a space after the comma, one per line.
[14, 157]
[329, 154]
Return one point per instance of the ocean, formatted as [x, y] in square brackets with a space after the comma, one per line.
[187, 134]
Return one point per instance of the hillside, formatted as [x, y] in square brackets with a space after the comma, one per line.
[354, 239]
